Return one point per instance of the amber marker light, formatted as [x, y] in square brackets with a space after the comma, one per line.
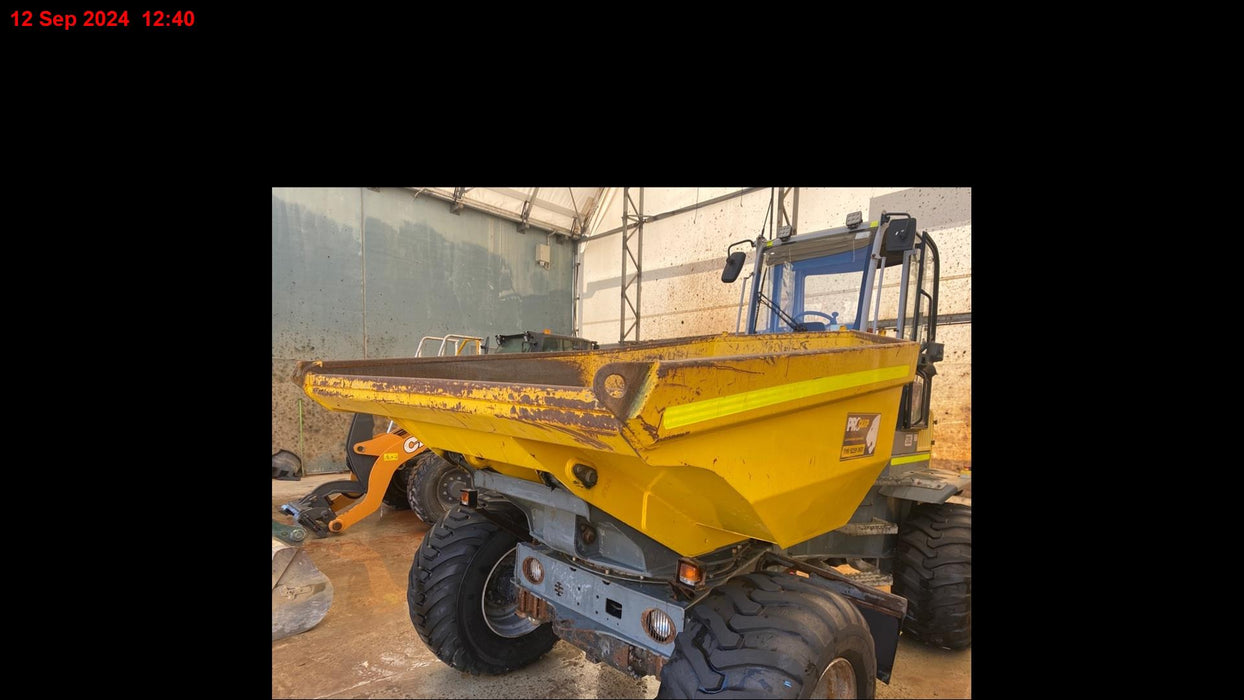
[690, 573]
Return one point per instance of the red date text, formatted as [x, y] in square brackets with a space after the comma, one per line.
[100, 18]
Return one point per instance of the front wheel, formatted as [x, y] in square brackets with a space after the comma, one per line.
[772, 635]
[462, 595]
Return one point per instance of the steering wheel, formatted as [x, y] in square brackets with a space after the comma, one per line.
[799, 317]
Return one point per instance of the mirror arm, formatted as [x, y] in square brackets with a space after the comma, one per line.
[745, 240]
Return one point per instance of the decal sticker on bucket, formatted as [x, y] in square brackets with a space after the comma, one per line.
[860, 437]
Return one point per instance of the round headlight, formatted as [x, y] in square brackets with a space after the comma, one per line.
[658, 625]
[533, 570]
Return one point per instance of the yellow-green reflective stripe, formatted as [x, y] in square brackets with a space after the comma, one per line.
[910, 458]
[708, 409]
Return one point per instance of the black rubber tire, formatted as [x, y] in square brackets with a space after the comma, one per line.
[446, 587]
[395, 494]
[933, 571]
[770, 635]
[422, 486]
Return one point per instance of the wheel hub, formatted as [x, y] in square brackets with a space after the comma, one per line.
[500, 600]
[450, 485]
[838, 681]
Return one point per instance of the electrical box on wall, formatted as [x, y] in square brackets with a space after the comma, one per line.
[542, 255]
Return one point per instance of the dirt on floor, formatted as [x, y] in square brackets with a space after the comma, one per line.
[366, 647]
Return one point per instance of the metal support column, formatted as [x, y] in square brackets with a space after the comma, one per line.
[786, 218]
[581, 222]
[526, 214]
[576, 280]
[457, 205]
[632, 227]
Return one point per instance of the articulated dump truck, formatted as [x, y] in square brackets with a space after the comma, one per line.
[723, 512]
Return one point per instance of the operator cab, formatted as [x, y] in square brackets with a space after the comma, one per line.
[875, 277]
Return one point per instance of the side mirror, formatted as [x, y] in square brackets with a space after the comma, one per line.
[734, 264]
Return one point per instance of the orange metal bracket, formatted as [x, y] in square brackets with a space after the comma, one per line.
[391, 451]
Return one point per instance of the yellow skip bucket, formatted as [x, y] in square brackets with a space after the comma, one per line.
[696, 442]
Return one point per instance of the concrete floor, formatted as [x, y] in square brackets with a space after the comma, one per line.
[365, 647]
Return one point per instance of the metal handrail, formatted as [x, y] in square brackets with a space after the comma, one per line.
[460, 342]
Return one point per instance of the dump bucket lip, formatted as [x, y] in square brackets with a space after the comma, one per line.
[303, 367]
[590, 409]
[541, 395]
[588, 396]
[329, 367]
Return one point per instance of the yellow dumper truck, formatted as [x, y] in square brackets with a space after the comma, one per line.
[722, 512]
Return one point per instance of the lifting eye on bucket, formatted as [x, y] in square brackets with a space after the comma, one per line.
[585, 474]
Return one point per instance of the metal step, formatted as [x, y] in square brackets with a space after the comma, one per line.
[876, 527]
[865, 573]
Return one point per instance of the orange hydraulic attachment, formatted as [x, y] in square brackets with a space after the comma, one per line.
[391, 451]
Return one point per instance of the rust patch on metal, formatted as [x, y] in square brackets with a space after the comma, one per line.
[522, 394]
[590, 422]
[567, 403]
[650, 429]
[627, 658]
[532, 606]
[580, 437]
[332, 391]
[859, 594]
[664, 371]
[301, 369]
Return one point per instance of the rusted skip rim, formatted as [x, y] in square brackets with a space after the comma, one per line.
[574, 369]
[301, 369]
[533, 396]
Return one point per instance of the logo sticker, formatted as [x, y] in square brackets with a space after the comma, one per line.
[860, 437]
[412, 444]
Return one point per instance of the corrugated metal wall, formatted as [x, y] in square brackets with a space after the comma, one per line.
[358, 273]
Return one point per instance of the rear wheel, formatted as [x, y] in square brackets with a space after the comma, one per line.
[463, 599]
[434, 485]
[770, 634]
[933, 571]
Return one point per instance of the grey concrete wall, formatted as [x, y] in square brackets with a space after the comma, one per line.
[682, 292]
[358, 273]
